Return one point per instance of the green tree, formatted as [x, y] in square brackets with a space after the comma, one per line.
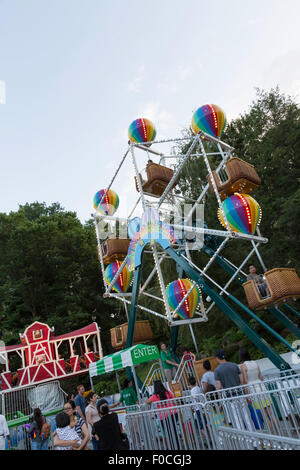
[49, 271]
[268, 137]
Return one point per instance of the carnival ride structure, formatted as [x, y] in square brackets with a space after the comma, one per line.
[44, 357]
[156, 226]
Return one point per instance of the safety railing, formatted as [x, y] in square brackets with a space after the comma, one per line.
[155, 373]
[233, 439]
[190, 423]
[175, 427]
[274, 410]
[185, 370]
[270, 383]
[19, 403]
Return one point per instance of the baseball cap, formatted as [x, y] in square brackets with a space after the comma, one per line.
[220, 354]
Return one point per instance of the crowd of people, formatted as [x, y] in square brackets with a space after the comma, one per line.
[85, 423]
[88, 422]
[226, 374]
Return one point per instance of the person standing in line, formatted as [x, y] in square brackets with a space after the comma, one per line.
[78, 424]
[188, 355]
[161, 397]
[251, 375]
[208, 380]
[39, 441]
[127, 396]
[195, 392]
[80, 402]
[4, 432]
[228, 375]
[107, 429]
[169, 365]
[92, 416]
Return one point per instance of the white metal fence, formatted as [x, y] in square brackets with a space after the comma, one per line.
[155, 373]
[19, 403]
[271, 408]
[171, 427]
[257, 416]
[186, 370]
[233, 439]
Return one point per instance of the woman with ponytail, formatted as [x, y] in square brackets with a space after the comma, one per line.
[107, 430]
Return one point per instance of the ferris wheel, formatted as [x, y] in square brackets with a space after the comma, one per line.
[167, 226]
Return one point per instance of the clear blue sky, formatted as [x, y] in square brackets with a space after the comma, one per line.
[78, 72]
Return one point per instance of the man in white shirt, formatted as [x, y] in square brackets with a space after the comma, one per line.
[4, 432]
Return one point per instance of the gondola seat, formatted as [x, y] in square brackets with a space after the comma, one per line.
[114, 249]
[158, 178]
[283, 284]
[142, 334]
[241, 178]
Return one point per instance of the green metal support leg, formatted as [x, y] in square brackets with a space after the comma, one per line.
[285, 321]
[134, 300]
[231, 313]
[261, 322]
[290, 309]
[174, 339]
[240, 278]
[132, 320]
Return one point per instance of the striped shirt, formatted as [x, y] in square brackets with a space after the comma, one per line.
[78, 427]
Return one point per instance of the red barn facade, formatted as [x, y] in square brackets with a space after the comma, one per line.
[45, 357]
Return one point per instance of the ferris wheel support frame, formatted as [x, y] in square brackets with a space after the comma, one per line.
[219, 301]
[185, 264]
[240, 279]
[233, 315]
[281, 317]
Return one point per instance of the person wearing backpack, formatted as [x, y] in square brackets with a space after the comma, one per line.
[39, 431]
